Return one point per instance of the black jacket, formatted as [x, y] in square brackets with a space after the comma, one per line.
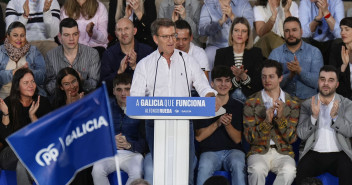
[252, 61]
[335, 59]
[143, 34]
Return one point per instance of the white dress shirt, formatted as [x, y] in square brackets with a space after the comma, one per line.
[326, 136]
[268, 102]
[170, 81]
[200, 55]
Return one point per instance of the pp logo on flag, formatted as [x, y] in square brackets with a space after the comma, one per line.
[47, 155]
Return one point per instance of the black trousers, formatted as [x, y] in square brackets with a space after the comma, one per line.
[8, 159]
[314, 164]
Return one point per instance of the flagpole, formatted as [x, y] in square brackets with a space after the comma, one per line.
[118, 172]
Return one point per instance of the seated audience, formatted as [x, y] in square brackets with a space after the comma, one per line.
[215, 21]
[340, 57]
[17, 53]
[124, 55]
[269, 16]
[188, 10]
[41, 18]
[320, 23]
[129, 137]
[220, 137]
[184, 43]
[92, 20]
[22, 107]
[68, 87]
[141, 12]
[325, 126]
[2, 27]
[82, 58]
[301, 61]
[217, 180]
[270, 119]
[244, 62]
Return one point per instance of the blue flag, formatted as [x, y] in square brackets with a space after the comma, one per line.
[71, 138]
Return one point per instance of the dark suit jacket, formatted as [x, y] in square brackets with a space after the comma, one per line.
[252, 61]
[344, 88]
[143, 34]
[112, 57]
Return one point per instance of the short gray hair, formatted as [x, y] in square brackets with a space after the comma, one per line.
[139, 182]
[161, 22]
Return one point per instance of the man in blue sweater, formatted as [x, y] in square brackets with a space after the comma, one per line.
[129, 137]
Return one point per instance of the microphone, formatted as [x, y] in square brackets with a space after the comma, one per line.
[156, 71]
[184, 64]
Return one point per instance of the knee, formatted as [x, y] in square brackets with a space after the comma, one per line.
[238, 164]
[288, 170]
[206, 166]
[137, 161]
[258, 168]
[135, 168]
[99, 170]
[138, 158]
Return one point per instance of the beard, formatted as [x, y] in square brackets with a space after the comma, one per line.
[297, 41]
[327, 93]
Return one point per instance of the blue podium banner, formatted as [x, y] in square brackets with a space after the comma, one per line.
[170, 107]
[58, 145]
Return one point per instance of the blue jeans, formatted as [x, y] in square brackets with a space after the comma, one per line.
[148, 168]
[238, 95]
[149, 129]
[232, 160]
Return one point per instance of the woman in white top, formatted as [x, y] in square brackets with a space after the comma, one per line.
[269, 16]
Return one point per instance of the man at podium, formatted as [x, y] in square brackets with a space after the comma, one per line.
[169, 72]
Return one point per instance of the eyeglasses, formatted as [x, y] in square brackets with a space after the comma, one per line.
[166, 37]
[68, 84]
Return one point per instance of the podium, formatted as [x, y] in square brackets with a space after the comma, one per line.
[171, 132]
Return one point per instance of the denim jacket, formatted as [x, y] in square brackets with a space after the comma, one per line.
[132, 129]
[35, 63]
[192, 9]
[304, 85]
[211, 14]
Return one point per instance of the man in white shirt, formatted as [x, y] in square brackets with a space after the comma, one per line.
[325, 123]
[167, 65]
[168, 72]
[184, 43]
